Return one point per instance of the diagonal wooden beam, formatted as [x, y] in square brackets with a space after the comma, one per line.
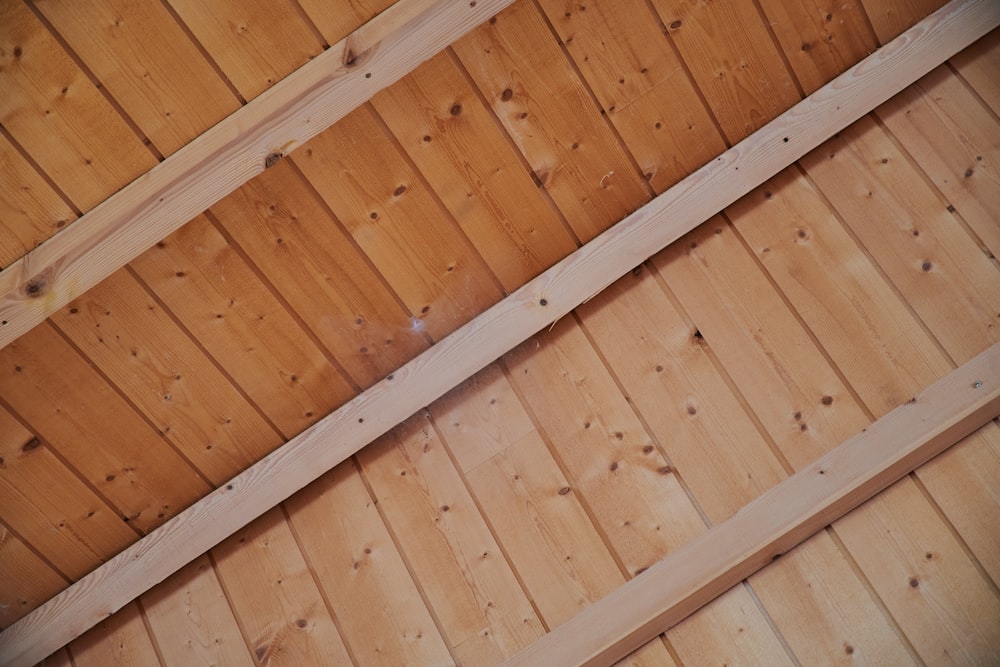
[541, 301]
[783, 517]
[276, 122]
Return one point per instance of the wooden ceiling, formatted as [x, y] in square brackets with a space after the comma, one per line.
[784, 325]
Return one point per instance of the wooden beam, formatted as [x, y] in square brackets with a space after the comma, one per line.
[541, 301]
[773, 524]
[278, 121]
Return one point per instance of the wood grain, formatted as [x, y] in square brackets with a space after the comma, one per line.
[778, 520]
[238, 148]
[148, 64]
[543, 300]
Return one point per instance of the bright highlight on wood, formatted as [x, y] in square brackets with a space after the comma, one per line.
[550, 296]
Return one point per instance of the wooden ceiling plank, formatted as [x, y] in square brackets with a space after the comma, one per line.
[532, 507]
[381, 614]
[921, 246]
[467, 159]
[295, 109]
[230, 311]
[955, 140]
[26, 580]
[778, 520]
[539, 302]
[733, 61]
[190, 619]
[978, 66]
[120, 640]
[275, 597]
[520, 69]
[283, 227]
[636, 496]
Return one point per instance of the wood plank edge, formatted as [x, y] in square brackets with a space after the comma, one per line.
[777, 521]
[538, 303]
[227, 155]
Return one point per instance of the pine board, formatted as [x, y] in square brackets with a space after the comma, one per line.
[272, 592]
[223, 302]
[951, 284]
[82, 418]
[54, 112]
[26, 581]
[819, 38]
[67, 522]
[30, 210]
[254, 42]
[733, 60]
[364, 576]
[669, 376]
[955, 140]
[891, 17]
[147, 63]
[191, 621]
[631, 489]
[482, 610]
[761, 365]
[285, 230]
[120, 640]
[452, 138]
[543, 526]
[395, 219]
[978, 64]
[641, 84]
[581, 164]
[130, 337]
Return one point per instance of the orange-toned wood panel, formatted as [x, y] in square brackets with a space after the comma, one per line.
[640, 82]
[670, 377]
[891, 17]
[978, 66]
[151, 360]
[30, 210]
[147, 63]
[67, 522]
[26, 581]
[532, 507]
[283, 227]
[274, 596]
[955, 140]
[58, 659]
[335, 21]
[733, 60]
[61, 119]
[122, 639]
[254, 42]
[806, 409]
[219, 298]
[820, 38]
[920, 245]
[91, 427]
[190, 619]
[451, 136]
[515, 61]
[636, 498]
[874, 339]
[394, 217]
[382, 614]
[483, 612]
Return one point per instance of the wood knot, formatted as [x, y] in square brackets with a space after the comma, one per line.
[272, 160]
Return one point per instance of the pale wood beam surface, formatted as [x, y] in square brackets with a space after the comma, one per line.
[278, 121]
[777, 521]
[541, 301]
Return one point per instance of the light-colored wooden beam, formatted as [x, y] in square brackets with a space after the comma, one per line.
[270, 126]
[541, 301]
[773, 524]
